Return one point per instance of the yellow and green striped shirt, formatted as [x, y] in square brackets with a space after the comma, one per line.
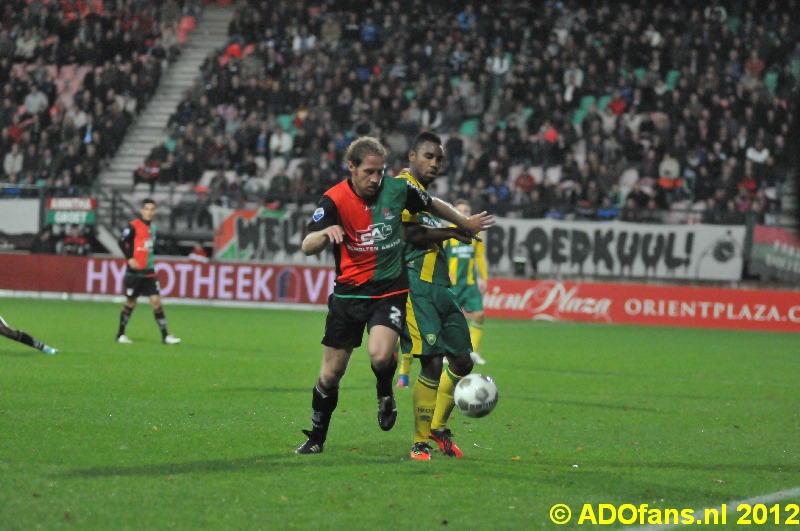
[429, 264]
[463, 259]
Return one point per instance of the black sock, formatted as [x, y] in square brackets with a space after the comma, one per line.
[323, 402]
[161, 319]
[28, 340]
[124, 317]
[384, 378]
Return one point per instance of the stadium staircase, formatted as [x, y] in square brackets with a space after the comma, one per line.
[149, 128]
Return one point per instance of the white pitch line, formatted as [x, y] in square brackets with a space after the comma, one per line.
[731, 508]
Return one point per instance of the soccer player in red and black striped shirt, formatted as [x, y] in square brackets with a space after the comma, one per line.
[137, 244]
[362, 217]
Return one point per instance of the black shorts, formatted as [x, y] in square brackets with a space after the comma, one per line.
[347, 318]
[135, 286]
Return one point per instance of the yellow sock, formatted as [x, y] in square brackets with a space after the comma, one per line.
[405, 365]
[424, 399]
[444, 399]
[475, 333]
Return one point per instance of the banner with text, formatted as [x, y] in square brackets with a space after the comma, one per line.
[551, 247]
[266, 235]
[775, 254]
[187, 280]
[546, 247]
[680, 306]
[505, 298]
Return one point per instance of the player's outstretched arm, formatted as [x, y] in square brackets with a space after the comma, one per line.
[473, 224]
[316, 241]
[421, 235]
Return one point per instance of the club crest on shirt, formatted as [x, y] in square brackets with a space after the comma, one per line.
[430, 338]
[318, 214]
[388, 214]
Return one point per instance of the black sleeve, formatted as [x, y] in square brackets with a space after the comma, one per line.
[126, 241]
[326, 215]
[417, 199]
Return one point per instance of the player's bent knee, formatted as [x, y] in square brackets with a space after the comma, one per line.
[461, 365]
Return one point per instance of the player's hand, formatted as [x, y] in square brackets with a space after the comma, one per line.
[463, 236]
[133, 263]
[335, 233]
[479, 222]
[482, 285]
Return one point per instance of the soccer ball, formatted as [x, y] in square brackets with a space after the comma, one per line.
[476, 395]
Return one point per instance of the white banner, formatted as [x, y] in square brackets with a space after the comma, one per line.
[19, 216]
[543, 247]
[574, 248]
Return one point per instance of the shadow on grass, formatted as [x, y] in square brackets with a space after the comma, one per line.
[305, 389]
[266, 462]
[28, 353]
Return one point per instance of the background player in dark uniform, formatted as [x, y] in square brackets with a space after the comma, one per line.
[362, 217]
[137, 243]
[25, 339]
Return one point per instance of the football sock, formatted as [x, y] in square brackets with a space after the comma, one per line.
[424, 400]
[444, 399]
[24, 338]
[124, 317]
[384, 377]
[323, 402]
[161, 319]
[475, 333]
[405, 365]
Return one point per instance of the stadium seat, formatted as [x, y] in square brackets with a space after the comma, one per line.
[552, 175]
[587, 101]
[538, 173]
[771, 81]
[285, 121]
[469, 128]
[672, 79]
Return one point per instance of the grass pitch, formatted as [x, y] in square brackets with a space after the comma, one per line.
[202, 435]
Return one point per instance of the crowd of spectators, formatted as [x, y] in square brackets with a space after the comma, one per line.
[73, 74]
[565, 109]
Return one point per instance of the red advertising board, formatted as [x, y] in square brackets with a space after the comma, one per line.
[679, 306]
[180, 279]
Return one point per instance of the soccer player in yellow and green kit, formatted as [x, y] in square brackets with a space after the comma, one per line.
[468, 274]
[435, 326]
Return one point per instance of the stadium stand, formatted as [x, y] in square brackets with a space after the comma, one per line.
[589, 98]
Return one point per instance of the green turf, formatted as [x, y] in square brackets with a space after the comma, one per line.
[201, 435]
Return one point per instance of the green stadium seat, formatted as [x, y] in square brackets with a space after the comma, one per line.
[577, 118]
[771, 81]
[672, 79]
[586, 101]
[285, 121]
[469, 128]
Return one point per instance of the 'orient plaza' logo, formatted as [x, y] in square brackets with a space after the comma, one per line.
[548, 300]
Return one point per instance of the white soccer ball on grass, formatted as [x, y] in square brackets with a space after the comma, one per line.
[476, 395]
